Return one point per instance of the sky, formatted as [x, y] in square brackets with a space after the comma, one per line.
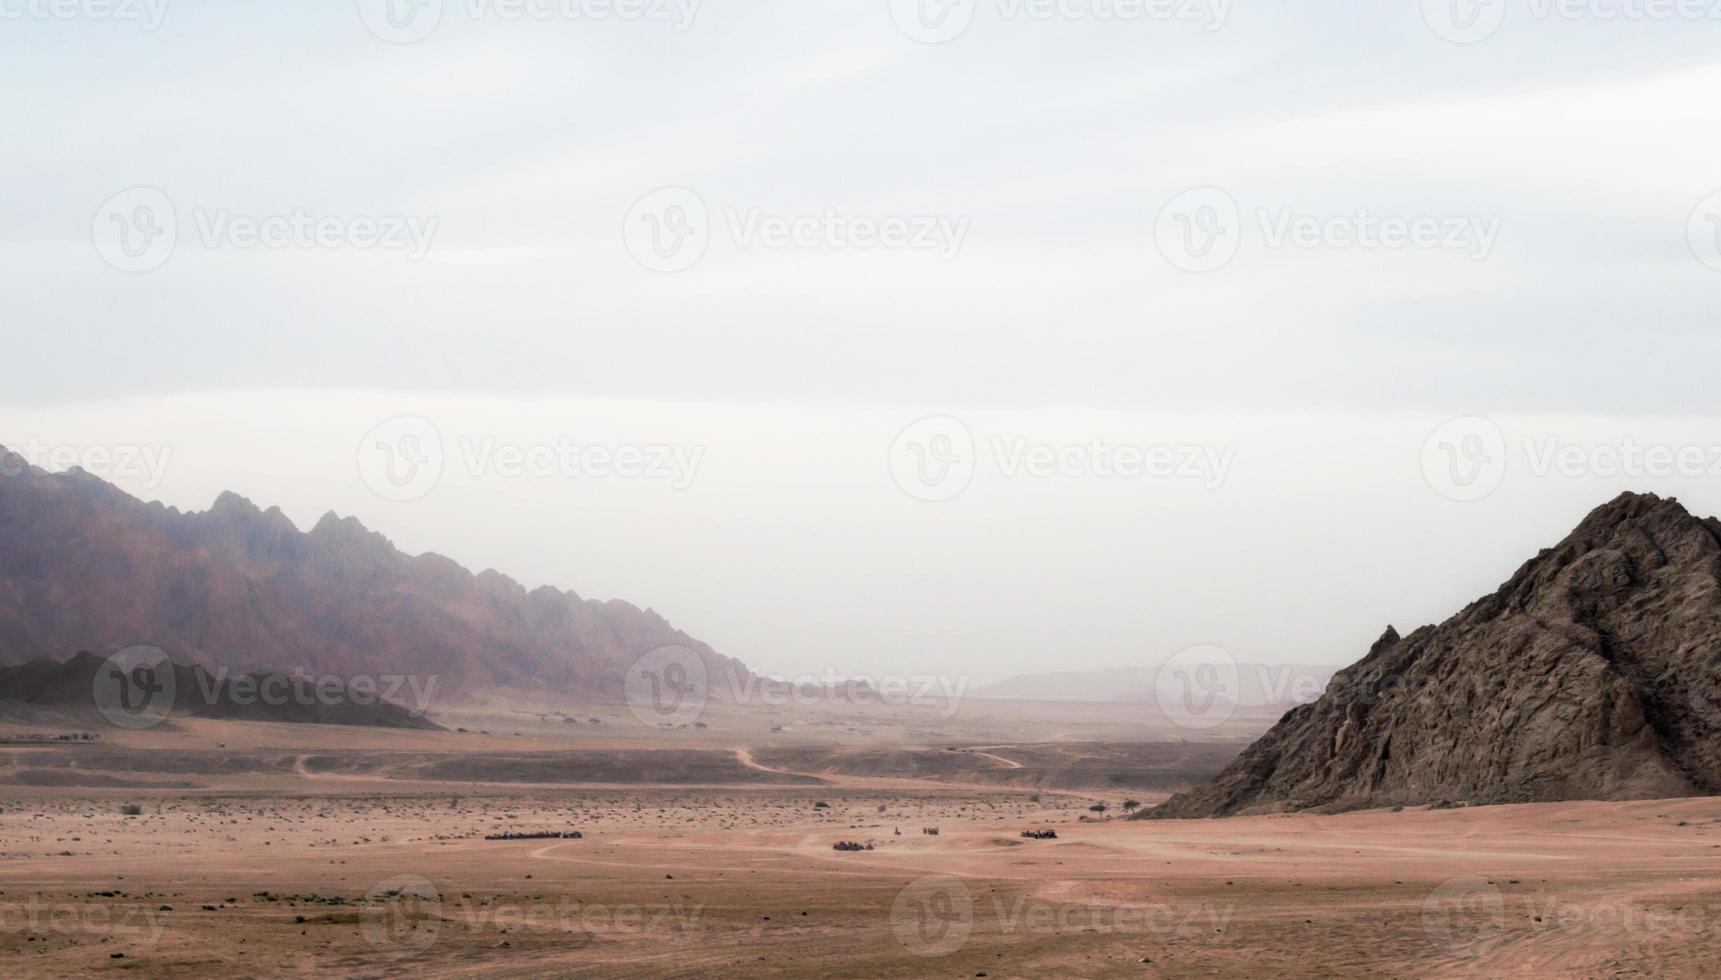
[873, 334]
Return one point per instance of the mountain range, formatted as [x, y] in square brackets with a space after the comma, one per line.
[85, 566]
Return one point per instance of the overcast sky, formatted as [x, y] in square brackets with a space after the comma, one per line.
[1278, 246]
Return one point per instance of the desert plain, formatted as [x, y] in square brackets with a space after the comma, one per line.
[256, 849]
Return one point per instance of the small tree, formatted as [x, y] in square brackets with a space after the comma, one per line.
[1130, 806]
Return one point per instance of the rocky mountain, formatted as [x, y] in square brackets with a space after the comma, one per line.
[1593, 673]
[84, 566]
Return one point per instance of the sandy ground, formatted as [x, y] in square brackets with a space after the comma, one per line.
[298, 867]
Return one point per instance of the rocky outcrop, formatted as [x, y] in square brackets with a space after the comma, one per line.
[84, 566]
[1594, 673]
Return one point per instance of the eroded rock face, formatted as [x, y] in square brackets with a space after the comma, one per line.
[84, 566]
[1594, 673]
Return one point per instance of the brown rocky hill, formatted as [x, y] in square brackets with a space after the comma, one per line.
[1594, 673]
[84, 566]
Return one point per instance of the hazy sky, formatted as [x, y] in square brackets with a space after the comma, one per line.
[739, 248]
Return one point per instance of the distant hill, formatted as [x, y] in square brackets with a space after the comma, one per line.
[198, 693]
[1594, 673]
[84, 566]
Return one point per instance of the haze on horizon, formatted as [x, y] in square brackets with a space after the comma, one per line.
[1305, 387]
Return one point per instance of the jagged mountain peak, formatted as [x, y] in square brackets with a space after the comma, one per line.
[1591, 673]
